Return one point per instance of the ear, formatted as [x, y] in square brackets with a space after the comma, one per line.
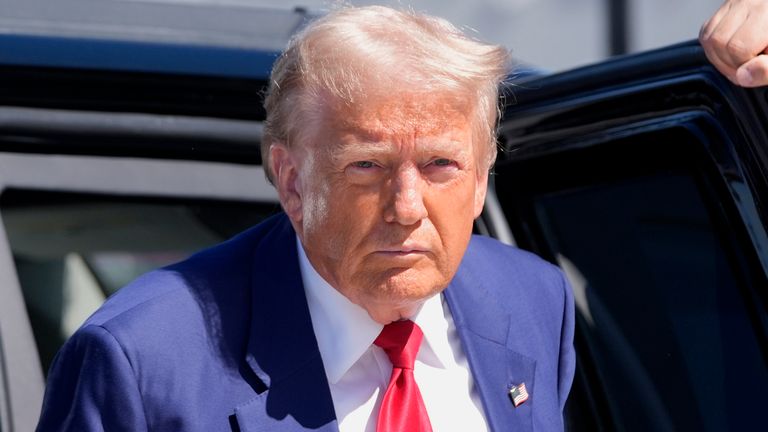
[480, 190]
[284, 162]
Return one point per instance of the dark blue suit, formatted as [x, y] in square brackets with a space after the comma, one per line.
[224, 340]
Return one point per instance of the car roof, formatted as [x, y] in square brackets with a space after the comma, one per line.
[229, 23]
[135, 56]
[191, 37]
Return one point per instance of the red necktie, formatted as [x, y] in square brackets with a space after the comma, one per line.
[402, 408]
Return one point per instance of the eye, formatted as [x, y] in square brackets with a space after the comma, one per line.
[363, 164]
[440, 169]
[442, 162]
[363, 172]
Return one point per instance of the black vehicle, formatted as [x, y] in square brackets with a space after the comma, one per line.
[643, 177]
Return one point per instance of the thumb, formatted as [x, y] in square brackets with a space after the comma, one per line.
[753, 73]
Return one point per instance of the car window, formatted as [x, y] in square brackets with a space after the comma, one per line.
[71, 251]
[665, 280]
[663, 307]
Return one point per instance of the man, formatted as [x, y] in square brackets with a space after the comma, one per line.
[367, 305]
[379, 138]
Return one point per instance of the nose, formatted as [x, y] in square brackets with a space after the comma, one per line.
[406, 203]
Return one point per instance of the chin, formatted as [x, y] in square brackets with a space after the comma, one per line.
[409, 287]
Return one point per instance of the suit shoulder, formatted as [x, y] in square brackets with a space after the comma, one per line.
[206, 279]
[144, 294]
[489, 252]
[513, 272]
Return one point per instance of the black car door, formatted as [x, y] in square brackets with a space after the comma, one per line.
[644, 178]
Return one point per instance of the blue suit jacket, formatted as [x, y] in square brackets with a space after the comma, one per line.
[224, 341]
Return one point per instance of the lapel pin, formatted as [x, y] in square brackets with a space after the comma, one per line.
[518, 394]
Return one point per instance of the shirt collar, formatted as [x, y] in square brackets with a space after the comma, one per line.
[435, 349]
[344, 330]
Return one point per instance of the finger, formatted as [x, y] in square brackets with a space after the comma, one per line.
[721, 37]
[707, 41]
[711, 24]
[728, 71]
[713, 41]
[751, 38]
[754, 73]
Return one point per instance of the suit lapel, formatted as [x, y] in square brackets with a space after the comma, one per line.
[282, 349]
[483, 328]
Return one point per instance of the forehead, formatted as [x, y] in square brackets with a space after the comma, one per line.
[405, 116]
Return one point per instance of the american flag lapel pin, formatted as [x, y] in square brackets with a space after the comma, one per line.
[518, 394]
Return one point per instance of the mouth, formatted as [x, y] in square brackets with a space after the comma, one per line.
[404, 251]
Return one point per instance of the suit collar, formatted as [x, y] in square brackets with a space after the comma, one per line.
[484, 330]
[282, 349]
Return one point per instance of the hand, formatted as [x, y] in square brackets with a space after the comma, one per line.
[735, 40]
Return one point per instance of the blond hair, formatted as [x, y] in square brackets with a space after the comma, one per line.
[358, 54]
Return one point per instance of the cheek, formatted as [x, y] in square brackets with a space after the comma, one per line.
[481, 189]
[316, 208]
[457, 201]
[334, 218]
[453, 213]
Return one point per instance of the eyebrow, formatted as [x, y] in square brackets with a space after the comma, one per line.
[359, 149]
[371, 149]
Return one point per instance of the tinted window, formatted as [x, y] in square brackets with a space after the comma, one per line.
[669, 335]
[72, 251]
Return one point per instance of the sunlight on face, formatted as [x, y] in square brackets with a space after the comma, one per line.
[385, 202]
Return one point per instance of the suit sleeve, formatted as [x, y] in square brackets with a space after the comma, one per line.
[92, 387]
[567, 365]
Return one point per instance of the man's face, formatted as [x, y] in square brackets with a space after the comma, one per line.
[383, 200]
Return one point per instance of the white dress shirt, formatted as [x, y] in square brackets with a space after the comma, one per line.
[358, 372]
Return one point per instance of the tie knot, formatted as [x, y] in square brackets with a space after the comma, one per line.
[401, 341]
